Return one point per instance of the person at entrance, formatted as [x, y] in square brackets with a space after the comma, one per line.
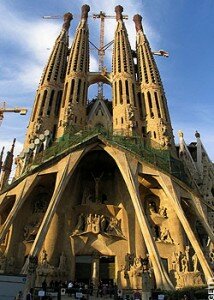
[29, 296]
[120, 294]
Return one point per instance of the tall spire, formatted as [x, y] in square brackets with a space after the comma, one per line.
[151, 95]
[7, 167]
[73, 113]
[1, 158]
[126, 118]
[47, 103]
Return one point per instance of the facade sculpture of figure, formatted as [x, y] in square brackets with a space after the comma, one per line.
[162, 211]
[96, 224]
[195, 262]
[38, 125]
[80, 223]
[89, 223]
[62, 262]
[44, 257]
[114, 227]
[97, 181]
[165, 236]
[103, 223]
[184, 264]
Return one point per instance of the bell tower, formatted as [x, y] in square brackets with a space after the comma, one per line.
[151, 95]
[126, 118]
[74, 102]
[45, 113]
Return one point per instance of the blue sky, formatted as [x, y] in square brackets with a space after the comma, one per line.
[183, 28]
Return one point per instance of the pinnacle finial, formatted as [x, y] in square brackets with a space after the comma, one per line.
[67, 20]
[138, 22]
[13, 146]
[85, 11]
[180, 134]
[1, 154]
[119, 10]
[197, 134]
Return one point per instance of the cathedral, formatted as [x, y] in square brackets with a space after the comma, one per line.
[101, 191]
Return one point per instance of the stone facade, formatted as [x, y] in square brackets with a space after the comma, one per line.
[99, 187]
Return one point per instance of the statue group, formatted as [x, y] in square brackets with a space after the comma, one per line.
[96, 224]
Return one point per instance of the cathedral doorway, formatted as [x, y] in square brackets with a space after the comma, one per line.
[94, 269]
[107, 269]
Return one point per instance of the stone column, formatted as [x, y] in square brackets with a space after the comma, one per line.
[95, 270]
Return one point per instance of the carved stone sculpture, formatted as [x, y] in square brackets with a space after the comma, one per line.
[184, 264]
[165, 236]
[195, 262]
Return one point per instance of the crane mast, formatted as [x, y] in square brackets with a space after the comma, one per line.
[102, 47]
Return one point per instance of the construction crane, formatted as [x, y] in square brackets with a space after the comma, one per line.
[102, 47]
[4, 109]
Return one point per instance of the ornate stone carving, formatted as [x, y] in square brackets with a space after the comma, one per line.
[119, 10]
[98, 224]
[38, 125]
[138, 19]
[184, 263]
[33, 262]
[195, 262]
[85, 11]
[163, 211]
[165, 236]
[67, 20]
[31, 230]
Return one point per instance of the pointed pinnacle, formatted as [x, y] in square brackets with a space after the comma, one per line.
[197, 134]
[85, 11]
[119, 9]
[67, 20]
[2, 153]
[138, 22]
[13, 146]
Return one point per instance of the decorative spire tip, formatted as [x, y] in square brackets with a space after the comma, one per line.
[85, 11]
[197, 134]
[119, 10]
[138, 22]
[67, 20]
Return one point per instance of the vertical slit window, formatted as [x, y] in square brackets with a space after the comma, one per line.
[50, 103]
[115, 94]
[121, 120]
[150, 104]
[43, 102]
[133, 92]
[140, 104]
[127, 91]
[58, 103]
[65, 94]
[78, 90]
[35, 108]
[72, 90]
[121, 92]
[84, 93]
[165, 107]
[157, 104]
